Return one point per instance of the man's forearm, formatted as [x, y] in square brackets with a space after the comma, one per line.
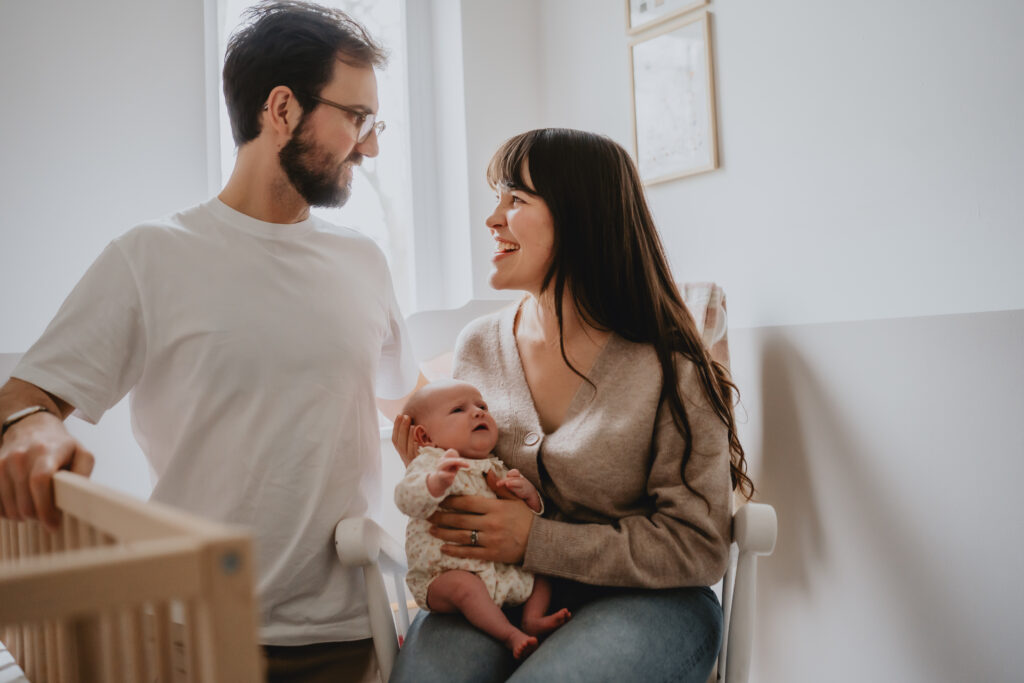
[18, 394]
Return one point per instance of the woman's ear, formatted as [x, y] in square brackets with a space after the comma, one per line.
[419, 435]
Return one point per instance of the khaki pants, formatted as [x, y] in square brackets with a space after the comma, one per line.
[350, 662]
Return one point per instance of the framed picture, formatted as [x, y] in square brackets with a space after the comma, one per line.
[642, 14]
[674, 132]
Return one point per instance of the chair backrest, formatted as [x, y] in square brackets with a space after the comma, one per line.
[127, 591]
[433, 333]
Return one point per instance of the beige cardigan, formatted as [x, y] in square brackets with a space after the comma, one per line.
[617, 512]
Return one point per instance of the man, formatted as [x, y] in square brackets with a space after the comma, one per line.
[253, 336]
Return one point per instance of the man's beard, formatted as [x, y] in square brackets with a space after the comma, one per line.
[314, 171]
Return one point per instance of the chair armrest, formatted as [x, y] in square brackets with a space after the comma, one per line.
[361, 541]
[755, 527]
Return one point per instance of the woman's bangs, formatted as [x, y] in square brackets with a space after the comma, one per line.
[506, 167]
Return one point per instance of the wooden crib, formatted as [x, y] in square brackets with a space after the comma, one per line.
[127, 591]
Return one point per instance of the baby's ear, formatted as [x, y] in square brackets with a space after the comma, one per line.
[419, 435]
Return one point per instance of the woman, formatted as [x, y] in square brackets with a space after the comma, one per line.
[607, 401]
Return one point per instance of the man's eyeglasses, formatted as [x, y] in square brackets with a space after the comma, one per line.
[367, 123]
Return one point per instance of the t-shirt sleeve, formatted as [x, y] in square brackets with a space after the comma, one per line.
[93, 350]
[398, 369]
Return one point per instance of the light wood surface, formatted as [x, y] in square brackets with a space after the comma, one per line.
[127, 590]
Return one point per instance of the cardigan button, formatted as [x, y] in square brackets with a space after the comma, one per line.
[531, 438]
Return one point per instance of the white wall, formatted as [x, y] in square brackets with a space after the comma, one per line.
[872, 155]
[103, 127]
[891, 452]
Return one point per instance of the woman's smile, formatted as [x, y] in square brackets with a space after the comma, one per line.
[503, 248]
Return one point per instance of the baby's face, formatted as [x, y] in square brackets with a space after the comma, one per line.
[458, 418]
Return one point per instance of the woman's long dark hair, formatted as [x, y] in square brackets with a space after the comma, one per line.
[607, 255]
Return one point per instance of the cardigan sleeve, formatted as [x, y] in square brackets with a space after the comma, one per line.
[681, 540]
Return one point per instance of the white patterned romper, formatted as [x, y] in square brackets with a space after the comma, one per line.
[506, 583]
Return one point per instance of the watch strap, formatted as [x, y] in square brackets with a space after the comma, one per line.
[21, 415]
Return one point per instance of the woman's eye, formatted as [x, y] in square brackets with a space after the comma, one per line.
[516, 200]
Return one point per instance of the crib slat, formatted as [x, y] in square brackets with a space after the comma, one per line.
[21, 646]
[86, 649]
[91, 539]
[35, 538]
[45, 542]
[17, 644]
[70, 527]
[5, 549]
[35, 665]
[67, 670]
[36, 669]
[190, 637]
[23, 550]
[134, 644]
[50, 650]
[109, 633]
[85, 539]
[162, 641]
[12, 538]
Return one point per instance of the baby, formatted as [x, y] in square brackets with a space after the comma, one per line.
[455, 435]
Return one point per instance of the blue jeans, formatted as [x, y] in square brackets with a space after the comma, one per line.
[614, 635]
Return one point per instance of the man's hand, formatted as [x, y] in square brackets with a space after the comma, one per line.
[32, 450]
[448, 466]
[519, 485]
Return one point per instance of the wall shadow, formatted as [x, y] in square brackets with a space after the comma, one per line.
[802, 426]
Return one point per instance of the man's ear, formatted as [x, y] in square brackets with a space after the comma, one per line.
[419, 435]
[282, 112]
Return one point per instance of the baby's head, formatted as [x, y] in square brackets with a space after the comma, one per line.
[451, 414]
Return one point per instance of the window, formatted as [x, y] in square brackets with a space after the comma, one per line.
[380, 205]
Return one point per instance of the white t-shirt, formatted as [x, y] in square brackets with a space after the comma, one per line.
[253, 352]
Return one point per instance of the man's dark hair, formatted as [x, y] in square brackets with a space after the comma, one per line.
[288, 43]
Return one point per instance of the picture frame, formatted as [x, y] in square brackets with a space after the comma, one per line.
[674, 120]
[643, 14]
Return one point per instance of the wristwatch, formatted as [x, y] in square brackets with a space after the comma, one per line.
[21, 415]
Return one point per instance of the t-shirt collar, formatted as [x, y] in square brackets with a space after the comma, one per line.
[254, 226]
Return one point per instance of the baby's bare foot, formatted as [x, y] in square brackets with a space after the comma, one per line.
[538, 626]
[521, 644]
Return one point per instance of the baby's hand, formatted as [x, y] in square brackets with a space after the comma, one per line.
[448, 466]
[519, 485]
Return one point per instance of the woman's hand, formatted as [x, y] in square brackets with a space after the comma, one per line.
[401, 438]
[502, 528]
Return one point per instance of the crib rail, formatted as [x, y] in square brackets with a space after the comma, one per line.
[127, 591]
